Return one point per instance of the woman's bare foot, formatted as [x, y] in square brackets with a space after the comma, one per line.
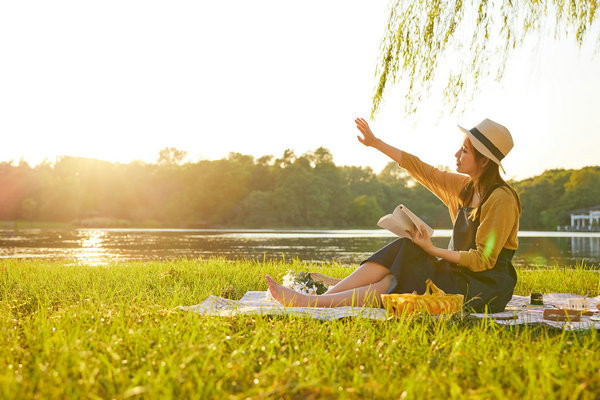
[286, 296]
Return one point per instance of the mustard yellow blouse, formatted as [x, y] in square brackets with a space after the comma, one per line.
[499, 216]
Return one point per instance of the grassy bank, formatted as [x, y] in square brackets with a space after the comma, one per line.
[72, 331]
[35, 225]
[97, 222]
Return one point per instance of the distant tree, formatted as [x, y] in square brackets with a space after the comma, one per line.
[171, 156]
[305, 194]
[256, 210]
[16, 184]
[216, 188]
[241, 158]
[466, 41]
[393, 173]
[264, 160]
[428, 207]
[320, 157]
[263, 174]
[360, 180]
[538, 194]
[364, 211]
[333, 188]
[305, 191]
[582, 190]
[286, 159]
[29, 208]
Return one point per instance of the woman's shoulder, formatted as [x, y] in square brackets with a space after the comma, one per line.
[502, 195]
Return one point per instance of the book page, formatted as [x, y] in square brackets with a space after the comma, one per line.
[415, 220]
[397, 222]
[402, 222]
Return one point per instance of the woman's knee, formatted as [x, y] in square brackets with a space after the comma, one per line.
[375, 267]
[386, 283]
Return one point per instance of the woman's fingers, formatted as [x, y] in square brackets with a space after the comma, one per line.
[368, 138]
[361, 129]
[361, 122]
[364, 129]
[359, 126]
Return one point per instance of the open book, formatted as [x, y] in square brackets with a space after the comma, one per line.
[402, 222]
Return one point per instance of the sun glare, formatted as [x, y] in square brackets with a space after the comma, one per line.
[91, 251]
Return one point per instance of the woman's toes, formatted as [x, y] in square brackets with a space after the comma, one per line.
[285, 296]
[270, 281]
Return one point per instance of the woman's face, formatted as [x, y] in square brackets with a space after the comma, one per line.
[465, 159]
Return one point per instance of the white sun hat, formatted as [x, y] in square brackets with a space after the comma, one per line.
[491, 139]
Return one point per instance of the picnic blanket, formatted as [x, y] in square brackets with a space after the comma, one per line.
[517, 312]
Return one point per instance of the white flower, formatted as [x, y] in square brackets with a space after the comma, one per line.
[301, 287]
[288, 280]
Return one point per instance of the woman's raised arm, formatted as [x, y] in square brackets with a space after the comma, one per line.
[369, 139]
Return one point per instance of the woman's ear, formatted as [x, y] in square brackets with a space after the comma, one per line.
[484, 162]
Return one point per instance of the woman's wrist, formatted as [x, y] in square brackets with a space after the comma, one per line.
[390, 151]
[448, 255]
[431, 249]
[378, 144]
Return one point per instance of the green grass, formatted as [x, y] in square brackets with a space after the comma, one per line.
[72, 331]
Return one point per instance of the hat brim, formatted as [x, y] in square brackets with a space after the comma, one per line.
[481, 148]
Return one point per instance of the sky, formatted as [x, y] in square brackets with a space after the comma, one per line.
[120, 80]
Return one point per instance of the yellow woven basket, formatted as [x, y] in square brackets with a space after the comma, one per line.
[433, 301]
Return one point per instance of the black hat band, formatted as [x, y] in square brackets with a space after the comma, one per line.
[487, 143]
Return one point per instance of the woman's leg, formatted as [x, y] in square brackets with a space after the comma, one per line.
[369, 272]
[366, 295]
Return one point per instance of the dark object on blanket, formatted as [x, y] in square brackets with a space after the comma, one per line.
[536, 299]
[565, 314]
[307, 278]
[505, 318]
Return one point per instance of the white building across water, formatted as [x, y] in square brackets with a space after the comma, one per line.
[585, 219]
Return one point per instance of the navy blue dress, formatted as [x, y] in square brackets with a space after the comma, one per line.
[484, 291]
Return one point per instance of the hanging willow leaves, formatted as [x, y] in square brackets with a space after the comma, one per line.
[460, 42]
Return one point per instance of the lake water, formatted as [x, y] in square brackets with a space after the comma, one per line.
[104, 246]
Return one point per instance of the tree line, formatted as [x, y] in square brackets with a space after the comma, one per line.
[306, 191]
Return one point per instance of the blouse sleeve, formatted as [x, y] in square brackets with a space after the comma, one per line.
[445, 185]
[499, 221]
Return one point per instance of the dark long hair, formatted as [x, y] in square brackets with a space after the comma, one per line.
[488, 180]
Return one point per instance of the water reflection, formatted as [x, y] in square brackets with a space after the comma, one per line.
[91, 251]
[585, 246]
[104, 246]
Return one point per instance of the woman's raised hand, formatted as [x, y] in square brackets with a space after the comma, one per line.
[368, 138]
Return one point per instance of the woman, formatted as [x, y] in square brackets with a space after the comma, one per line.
[485, 214]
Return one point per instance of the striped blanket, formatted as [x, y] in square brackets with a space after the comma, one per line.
[517, 312]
